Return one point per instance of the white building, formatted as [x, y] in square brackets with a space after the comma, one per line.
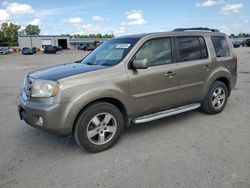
[39, 41]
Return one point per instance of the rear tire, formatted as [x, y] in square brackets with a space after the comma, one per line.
[216, 98]
[99, 127]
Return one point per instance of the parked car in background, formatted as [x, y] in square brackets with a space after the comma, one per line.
[86, 47]
[90, 48]
[50, 50]
[236, 44]
[27, 51]
[34, 50]
[57, 48]
[82, 47]
[4, 50]
[247, 42]
[243, 43]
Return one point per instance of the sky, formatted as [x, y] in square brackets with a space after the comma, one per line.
[122, 17]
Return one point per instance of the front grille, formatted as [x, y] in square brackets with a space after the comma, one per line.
[28, 86]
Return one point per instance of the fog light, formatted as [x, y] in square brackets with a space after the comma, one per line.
[40, 121]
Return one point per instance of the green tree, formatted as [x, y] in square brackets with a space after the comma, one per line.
[10, 33]
[232, 36]
[2, 37]
[32, 29]
[66, 35]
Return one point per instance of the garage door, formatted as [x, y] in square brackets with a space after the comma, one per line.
[46, 42]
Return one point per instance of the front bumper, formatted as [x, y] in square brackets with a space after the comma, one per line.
[53, 116]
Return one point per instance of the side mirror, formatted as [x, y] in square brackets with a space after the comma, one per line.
[140, 63]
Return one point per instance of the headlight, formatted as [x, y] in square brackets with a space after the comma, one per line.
[44, 88]
[24, 82]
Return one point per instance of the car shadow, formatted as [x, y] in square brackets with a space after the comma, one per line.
[41, 142]
[44, 140]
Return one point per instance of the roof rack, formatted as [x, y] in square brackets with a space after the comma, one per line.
[196, 29]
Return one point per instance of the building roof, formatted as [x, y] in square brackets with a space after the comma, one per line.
[82, 40]
[71, 40]
[42, 36]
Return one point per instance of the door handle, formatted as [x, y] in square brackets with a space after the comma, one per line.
[207, 67]
[170, 74]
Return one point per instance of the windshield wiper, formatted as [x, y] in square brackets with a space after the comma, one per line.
[106, 64]
[89, 63]
[100, 64]
[79, 61]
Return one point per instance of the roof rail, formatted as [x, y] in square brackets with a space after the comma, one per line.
[196, 29]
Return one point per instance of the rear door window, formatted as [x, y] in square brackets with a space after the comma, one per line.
[220, 46]
[191, 48]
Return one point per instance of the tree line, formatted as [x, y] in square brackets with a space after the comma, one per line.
[99, 35]
[240, 35]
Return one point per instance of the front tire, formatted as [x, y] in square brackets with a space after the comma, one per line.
[99, 127]
[216, 98]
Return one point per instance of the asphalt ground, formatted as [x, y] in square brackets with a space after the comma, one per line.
[187, 150]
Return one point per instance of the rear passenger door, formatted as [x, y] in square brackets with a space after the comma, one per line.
[194, 66]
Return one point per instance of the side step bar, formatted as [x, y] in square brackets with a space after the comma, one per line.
[166, 113]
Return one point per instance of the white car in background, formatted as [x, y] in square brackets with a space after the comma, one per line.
[5, 50]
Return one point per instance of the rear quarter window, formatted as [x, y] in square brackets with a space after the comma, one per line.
[221, 46]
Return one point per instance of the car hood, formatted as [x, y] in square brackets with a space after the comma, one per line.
[61, 71]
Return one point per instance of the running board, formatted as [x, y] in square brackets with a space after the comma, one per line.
[166, 113]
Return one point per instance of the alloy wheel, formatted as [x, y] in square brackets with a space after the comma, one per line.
[218, 98]
[101, 128]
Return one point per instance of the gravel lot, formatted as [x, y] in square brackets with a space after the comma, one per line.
[187, 150]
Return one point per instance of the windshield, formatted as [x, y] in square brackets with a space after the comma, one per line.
[111, 52]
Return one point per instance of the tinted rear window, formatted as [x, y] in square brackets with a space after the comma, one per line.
[192, 48]
[220, 46]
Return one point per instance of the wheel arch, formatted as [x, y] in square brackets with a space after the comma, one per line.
[219, 74]
[110, 100]
[226, 81]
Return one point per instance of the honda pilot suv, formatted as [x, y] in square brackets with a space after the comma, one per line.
[131, 80]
